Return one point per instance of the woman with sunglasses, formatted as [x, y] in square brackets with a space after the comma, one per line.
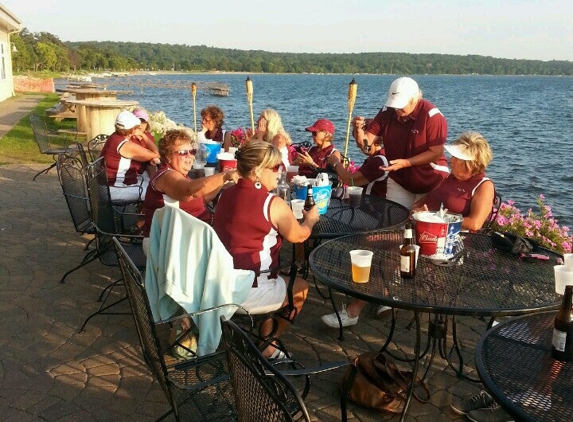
[172, 185]
[316, 158]
[252, 222]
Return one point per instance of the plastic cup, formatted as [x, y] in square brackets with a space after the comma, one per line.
[297, 206]
[568, 260]
[361, 261]
[209, 171]
[291, 172]
[354, 195]
[232, 150]
[563, 277]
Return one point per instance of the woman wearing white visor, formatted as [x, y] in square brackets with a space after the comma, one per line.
[467, 190]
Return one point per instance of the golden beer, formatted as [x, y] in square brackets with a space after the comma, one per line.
[360, 274]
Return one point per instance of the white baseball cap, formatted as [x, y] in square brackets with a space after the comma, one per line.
[459, 151]
[126, 120]
[401, 92]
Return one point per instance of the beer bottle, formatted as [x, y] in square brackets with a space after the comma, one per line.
[562, 346]
[309, 201]
[408, 254]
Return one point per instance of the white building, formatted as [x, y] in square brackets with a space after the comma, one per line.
[9, 24]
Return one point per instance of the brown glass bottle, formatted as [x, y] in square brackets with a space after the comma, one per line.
[408, 254]
[562, 345]
[309, 201]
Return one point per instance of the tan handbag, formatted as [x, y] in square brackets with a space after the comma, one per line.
[379, 384]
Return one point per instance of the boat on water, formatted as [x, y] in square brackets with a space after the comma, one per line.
[219, 91]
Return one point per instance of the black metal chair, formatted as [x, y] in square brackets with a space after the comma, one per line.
[197, 389]
[261, 391]
[49, 143]
[487, 225]
[106, 220]
[95, 146]
[71, 174]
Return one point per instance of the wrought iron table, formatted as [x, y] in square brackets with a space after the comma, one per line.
[515, 364]
[481, 281]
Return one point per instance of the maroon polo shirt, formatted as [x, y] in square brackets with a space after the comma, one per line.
[405, 138]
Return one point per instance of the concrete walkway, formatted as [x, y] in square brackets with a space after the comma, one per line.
[14, 109]
[49, 372]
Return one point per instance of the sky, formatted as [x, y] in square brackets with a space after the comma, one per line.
[513, 29]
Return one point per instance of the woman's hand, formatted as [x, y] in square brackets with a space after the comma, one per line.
[358, 123]
[231, 176]
[311, 216]
[304, 158]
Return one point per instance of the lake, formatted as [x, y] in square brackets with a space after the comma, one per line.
[527, 120]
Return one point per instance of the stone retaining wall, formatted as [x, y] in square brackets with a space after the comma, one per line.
[29, 84]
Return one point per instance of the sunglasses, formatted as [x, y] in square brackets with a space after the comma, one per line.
[184, 152]
[276, 168]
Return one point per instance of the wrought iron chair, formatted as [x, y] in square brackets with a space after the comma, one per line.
[261, 391]
[197, 389]
[49, 143]
[71, 174]
[487, 225]
[95, 146]
[106, 220]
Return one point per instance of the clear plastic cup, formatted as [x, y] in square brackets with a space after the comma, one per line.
[297, 206]
[291, 172]
[563, 277]
[209, 171]
[354, 195]
[361, 261]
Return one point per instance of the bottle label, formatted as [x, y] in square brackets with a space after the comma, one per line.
[405, 264]
[559, 340]
[407, 233]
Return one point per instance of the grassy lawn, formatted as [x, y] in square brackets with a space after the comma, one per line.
[19, 147]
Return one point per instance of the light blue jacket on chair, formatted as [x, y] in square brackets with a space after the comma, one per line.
[188, 266]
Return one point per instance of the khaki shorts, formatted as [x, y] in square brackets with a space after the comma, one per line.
[268, 296]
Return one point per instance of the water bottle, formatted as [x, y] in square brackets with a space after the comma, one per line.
[283, 188]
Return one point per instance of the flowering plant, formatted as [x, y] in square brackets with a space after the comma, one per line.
[351, 167]
[239, 136]
[542, 227]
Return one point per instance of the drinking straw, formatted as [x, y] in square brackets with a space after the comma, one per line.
[249, 85]
[194, 94]
[352, 91]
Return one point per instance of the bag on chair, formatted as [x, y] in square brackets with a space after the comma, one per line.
[379, 384]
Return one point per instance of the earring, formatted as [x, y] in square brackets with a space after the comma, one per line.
[258, 184]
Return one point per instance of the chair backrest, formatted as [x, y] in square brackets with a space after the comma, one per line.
[102, 211]
[148, 336]
[95, 146]
[197, 389]
[40, 133]
[261, 392]
[493, 214]
[71, 173]
[82, 154]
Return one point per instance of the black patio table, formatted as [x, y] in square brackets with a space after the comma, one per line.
[515, 364]
[480, 281]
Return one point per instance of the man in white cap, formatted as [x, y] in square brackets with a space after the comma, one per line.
[413, 132]
[126, 160]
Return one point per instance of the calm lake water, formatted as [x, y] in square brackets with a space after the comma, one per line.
[527, 120]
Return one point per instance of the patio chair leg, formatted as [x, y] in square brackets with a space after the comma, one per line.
[46, 170]
[101, 311]
[90, 256]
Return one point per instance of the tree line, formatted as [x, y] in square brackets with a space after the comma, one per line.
[46, 52]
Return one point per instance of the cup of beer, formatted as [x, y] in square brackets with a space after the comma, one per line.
[361, 262]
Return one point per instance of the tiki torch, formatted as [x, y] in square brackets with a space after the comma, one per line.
[249, 85]
[194, 94]
[352, 90]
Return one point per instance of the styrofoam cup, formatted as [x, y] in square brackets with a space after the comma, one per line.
[568, 260]
[563, 277]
